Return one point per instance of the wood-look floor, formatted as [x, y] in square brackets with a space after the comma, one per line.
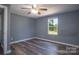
[39, 47]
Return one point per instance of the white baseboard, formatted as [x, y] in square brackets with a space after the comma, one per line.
[22, 40]
[76, 46]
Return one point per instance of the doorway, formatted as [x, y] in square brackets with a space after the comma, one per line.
[3, 27]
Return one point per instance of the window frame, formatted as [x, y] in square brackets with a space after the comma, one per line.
[50, 26]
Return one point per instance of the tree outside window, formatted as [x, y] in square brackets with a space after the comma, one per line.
[53, 26]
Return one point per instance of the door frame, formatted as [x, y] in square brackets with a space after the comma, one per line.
[5, 28]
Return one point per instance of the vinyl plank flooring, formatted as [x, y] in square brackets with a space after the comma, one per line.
[40, 47]
[35, 48]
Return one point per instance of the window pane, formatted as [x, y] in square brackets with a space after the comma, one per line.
[53, 26]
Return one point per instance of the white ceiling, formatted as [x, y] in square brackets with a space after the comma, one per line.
[52, 9]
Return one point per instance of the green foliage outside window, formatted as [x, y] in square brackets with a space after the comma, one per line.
[53, 26]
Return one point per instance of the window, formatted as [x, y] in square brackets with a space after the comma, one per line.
[53, 26]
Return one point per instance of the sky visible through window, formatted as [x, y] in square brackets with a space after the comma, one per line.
[55, 21]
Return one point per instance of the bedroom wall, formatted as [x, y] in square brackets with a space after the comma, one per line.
[67, 27]
[22, 27]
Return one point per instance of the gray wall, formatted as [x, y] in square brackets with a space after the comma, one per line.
[22, 27]
[67, 27]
